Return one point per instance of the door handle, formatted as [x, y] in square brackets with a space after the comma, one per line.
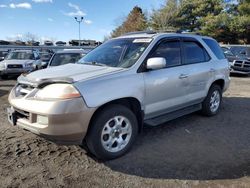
[212, 70]
[182, 76]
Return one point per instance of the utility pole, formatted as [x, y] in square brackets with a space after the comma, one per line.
[79, 22]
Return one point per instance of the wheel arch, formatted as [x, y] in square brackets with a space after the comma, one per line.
[219, 82]
[130, 102]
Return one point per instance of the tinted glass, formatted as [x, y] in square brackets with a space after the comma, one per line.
[227, 52]
[194, 52]
[62, 59]
[171, 51]
[216, 49]
[117, 53]
[21, 55]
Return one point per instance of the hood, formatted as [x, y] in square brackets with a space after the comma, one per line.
[232, 58]
[17, 62]
[66, 73]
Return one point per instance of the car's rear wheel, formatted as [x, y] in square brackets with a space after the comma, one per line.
[212, 102]
[112, 132]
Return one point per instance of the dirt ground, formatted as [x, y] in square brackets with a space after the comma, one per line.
[192, 151]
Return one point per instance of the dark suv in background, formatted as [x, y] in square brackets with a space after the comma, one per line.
[239, 59]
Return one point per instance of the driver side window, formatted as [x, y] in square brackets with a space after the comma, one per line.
[170, 50]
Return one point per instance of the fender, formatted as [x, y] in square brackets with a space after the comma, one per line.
[99, 91]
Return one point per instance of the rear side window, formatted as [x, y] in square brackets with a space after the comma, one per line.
[171, 51]
[194, 53]
[216, 49]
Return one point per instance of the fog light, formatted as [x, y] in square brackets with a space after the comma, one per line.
[42, 120]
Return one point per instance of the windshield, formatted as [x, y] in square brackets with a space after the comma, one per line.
[117, 53]
[241, 51]
[20, 55]
[227, 52]
[65, 58]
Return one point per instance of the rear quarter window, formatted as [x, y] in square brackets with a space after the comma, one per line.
[194, 52]
[216, 49]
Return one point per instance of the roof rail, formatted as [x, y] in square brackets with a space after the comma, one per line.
[161, 31]
[193, 33]
[139, 32]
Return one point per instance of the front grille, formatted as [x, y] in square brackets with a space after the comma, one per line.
[247, 64]
[242, 64]
[238, 63]
[14, 66]
[22, 114]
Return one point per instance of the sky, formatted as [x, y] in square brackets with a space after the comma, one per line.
[54, 19]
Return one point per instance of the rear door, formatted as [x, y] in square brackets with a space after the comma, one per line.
[198, 69]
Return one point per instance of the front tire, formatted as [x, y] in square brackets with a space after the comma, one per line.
[211, 104]
[112, 132]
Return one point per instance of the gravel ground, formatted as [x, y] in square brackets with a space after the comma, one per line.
[192, 151]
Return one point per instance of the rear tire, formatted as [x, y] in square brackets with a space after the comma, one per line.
[211, 104]
[112, 132]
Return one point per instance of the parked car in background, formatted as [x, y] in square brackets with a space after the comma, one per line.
[19, 61]
[61, 43]
[45, 55]
[241, 51]
[48, 43]
[111, 93]
[229, 55]
[45, 58]
[239, 63]
[66, 56]
[3, 54]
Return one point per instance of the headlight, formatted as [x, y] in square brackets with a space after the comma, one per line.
[57, 91]
[29, 65]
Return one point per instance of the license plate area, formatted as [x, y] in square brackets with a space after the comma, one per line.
[12, 116]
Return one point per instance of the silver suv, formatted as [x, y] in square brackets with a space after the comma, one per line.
[19, 61]
[111, 93]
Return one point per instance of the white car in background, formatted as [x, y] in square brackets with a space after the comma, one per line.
[18, 62]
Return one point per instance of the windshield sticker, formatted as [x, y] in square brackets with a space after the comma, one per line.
[142, 40]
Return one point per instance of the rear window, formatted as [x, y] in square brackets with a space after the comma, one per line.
[65, 58]
[194, 53]
[216, 49]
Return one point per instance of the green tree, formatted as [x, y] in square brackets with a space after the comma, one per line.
[218, 27]
[164, 18]
[191, 13]
[241, 23]
[135, 21]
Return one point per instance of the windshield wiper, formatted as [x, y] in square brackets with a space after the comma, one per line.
[95, 63]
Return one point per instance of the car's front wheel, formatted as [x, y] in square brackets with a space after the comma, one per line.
[212, 102]
[112, 132]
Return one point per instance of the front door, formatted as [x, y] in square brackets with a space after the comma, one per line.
[165, 88]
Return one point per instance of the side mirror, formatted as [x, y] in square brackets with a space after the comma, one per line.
[156, 63]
